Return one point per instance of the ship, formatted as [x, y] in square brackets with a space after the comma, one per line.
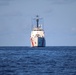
[37, 34]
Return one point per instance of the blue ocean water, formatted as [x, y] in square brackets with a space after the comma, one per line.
[38, 61]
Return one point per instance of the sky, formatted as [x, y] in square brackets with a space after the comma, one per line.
[59, 17]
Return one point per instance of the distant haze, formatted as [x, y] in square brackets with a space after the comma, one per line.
[59, 21]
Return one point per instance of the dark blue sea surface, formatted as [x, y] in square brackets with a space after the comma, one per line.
[38, 61]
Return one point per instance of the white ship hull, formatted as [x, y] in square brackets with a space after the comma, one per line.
[38, 42]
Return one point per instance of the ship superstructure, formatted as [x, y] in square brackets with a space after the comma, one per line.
[37, 35]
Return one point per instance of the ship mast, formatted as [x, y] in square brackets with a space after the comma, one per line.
[37, 20]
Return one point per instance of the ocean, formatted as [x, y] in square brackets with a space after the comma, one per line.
[53, 60]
